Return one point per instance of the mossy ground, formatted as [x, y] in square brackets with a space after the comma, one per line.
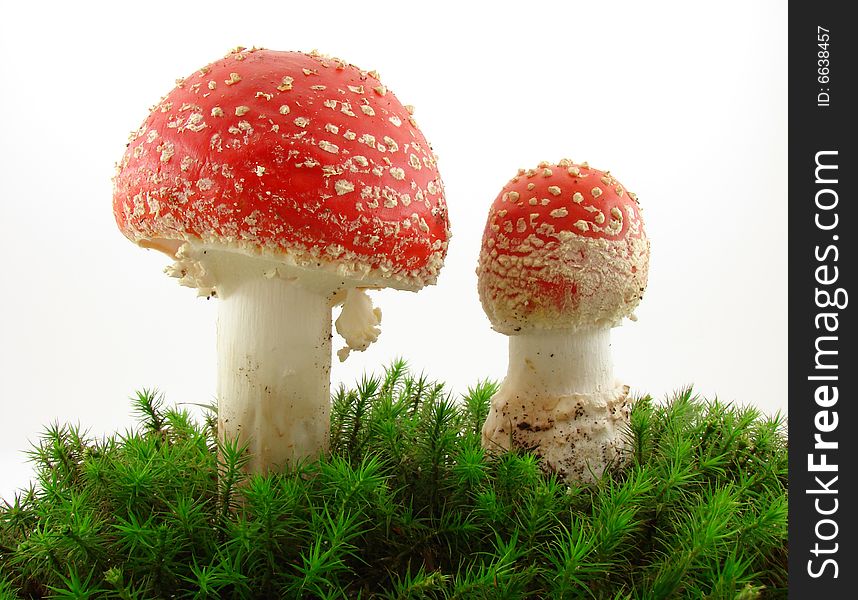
[407, 505]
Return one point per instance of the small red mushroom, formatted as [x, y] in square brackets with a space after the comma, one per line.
[564, 259]
[284, 183]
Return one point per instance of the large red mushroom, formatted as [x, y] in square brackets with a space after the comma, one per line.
[284, 183]
[564, 259]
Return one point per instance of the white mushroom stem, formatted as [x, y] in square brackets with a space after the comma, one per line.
[560, 399]
[559, 363]
[274, 366]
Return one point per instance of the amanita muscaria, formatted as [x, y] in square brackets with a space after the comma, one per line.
[284, 183]
[564, 259]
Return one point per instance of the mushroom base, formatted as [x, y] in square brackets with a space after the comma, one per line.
[560, 400]
[576, 436]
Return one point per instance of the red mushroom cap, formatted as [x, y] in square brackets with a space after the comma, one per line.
[564, 248]
[288, 155]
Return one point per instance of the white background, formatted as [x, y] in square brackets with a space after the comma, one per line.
[685, 102]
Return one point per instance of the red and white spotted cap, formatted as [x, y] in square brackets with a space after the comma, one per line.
[564, 248]
[292, 156]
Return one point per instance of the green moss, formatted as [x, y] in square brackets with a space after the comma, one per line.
[407, 505]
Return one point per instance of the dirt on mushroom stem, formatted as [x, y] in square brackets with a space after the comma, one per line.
[560, 399]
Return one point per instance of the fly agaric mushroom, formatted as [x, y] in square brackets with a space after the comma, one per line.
[284, 183]
[564, 259]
